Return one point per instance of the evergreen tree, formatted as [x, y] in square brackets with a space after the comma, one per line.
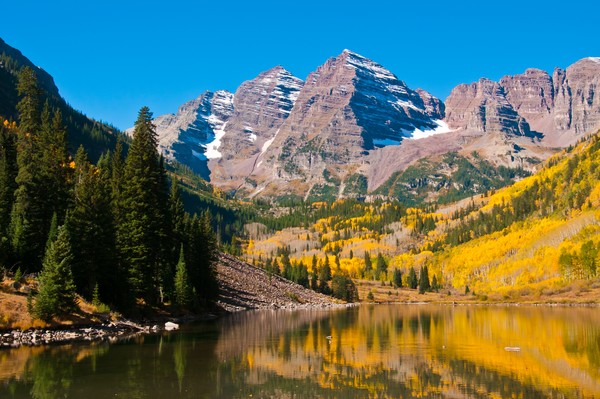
[8, 185]
[56, 294]
[287, 267]
[143, 202]
[177, 213]
[53, 232]
[343, 288]
[91, 224]
[183, 289]
[55, 163]
[367, 271]
[434, 283]
[29, 105]
[116, 180]
[313, 273]
[31, 213]
[275, 267]
[412, 280]
[302, 277]
[325, 276]
[8, 174]
[381, 267]
[201, 255]
[398, 278]
[424, 284]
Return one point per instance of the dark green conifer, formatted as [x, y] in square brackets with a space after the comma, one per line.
[143, 204]
[56, 294]
[381, 267]
[183, 288]
[424, 284]
[30, 216]
[434, 283]
[412, 280]
[325, 276]
[91, 224]
[343, 288]
[398, 278]
[368, 265]
[29, 105]
[8, 185]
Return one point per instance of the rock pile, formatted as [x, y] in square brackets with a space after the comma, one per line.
[244, 286]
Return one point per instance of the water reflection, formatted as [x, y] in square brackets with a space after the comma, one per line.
[367, 351]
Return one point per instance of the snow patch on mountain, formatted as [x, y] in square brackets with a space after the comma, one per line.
[212, 148]
[441, 128]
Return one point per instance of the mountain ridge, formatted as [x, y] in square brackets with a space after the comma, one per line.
[97, 137]
[351, 118]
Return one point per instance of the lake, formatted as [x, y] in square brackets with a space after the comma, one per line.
[369, 351]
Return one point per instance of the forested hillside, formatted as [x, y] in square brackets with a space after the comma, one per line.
[114, 232]
[95, 136]
[532, 238]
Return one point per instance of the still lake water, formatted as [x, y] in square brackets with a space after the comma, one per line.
[399, 351]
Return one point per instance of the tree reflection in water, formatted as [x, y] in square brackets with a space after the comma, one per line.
[367, 351]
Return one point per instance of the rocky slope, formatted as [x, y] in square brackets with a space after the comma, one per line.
[261, 105]
[353, 124]
[243, 286]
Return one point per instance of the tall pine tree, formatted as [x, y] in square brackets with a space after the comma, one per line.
[30, 216]
[143, 221]
[8, 185]
[90, 222]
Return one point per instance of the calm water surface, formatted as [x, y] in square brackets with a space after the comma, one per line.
[399, 351]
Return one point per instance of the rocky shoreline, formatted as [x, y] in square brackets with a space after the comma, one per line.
[242, 287]
[36, 337]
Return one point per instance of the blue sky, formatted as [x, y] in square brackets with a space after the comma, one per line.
[110, 58]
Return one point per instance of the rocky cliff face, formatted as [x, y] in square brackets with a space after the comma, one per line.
[577, 105]
[193, 134]
[260, 106]
[483, 107]
[347, 107]
[353, 124]
[558, 109]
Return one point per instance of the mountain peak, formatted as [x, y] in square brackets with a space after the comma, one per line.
[276, 70]
[352, 53]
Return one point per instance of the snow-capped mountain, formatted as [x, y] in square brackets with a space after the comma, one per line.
[352, 124]
[347, 108]
[193, 135]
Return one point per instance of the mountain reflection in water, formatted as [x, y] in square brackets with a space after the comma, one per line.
[382, 351]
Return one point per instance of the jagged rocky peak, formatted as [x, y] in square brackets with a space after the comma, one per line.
[386, 108]
[348, 107]
[483, 107]
[261, 105]
[560, 107]
[267, 99]
[433, 106]
[193, 134]
[195, 120]
[577, 101]
[530, 93]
